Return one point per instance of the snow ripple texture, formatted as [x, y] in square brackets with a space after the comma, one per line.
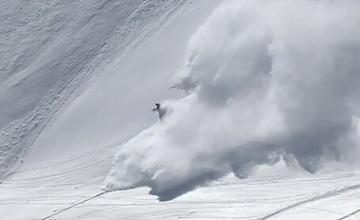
[50, 48]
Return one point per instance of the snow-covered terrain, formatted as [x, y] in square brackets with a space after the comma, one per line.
[267, 127]
[49, 48]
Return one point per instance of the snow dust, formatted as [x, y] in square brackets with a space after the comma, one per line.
[265, 81]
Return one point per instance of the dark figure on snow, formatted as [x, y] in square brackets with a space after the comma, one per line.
[160, 110]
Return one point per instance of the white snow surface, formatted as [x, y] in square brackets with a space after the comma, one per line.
[256, 93]
[78, 80]
[48, 49]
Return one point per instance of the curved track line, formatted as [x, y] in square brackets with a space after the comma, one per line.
[313, 199]
[40, 118]
[60, 174]
[75, 204]
[105, 148]
[349, 215]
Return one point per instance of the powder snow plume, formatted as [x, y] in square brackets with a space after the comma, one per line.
[265, 80]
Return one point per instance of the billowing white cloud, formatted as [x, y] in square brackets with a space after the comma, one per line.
[265, 80]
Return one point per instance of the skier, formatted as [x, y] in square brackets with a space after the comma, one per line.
[160, 110]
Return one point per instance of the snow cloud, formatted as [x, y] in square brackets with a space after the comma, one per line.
[265, 80]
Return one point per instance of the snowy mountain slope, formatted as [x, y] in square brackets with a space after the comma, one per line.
[63, 174]
[70, 152]
[99, 116]
[50, 48]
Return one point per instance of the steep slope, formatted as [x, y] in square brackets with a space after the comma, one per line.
[62, 173]
[50, 48]
[75, 150]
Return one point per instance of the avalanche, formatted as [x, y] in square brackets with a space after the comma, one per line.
[263, 123]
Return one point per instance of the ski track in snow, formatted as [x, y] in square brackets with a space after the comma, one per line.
[55, 189]
[329, 194]
[17, 138]
[66, 204]
[192, 205]
[349, 215]
[74, 205]
[312, 199]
